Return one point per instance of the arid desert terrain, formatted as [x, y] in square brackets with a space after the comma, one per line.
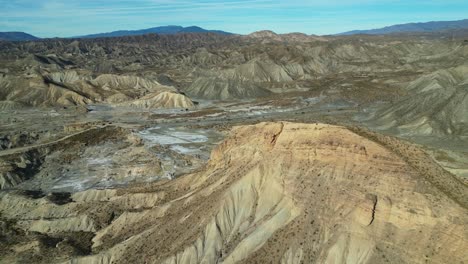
[217, 148]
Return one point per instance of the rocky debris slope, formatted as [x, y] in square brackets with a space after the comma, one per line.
[272, 192]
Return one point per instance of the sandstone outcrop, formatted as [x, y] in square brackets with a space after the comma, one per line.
[272, 192]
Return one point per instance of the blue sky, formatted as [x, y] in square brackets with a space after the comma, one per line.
[64, 18]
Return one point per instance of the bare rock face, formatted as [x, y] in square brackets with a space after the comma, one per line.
[161, 100]
[37, 90]
[268, 36]
[260, 71]
[69, 88]
[137, 84]
[436, 105]
[272, 192]
[265, 36]
[245, 81]
[225, 89]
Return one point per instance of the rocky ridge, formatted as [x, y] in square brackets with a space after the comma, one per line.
[291, 193]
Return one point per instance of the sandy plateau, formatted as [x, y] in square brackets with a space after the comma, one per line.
[208, 148]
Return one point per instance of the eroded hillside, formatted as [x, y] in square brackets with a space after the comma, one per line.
[272, 192]
[208, 148]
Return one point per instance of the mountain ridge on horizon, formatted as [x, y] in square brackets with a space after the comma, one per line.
[17, 36]
[421, 27]
[430, 26]
[170, 29]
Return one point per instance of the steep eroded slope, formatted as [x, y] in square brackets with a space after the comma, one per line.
[272, 192]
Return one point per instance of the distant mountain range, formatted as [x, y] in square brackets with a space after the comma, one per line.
[432, 26]
[16, 36]
[157, 30]
[21, 36]
[427, 27]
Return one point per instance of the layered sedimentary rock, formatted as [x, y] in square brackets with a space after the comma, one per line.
[272, 192]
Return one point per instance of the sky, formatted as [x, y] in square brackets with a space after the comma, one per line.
[66, 18]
